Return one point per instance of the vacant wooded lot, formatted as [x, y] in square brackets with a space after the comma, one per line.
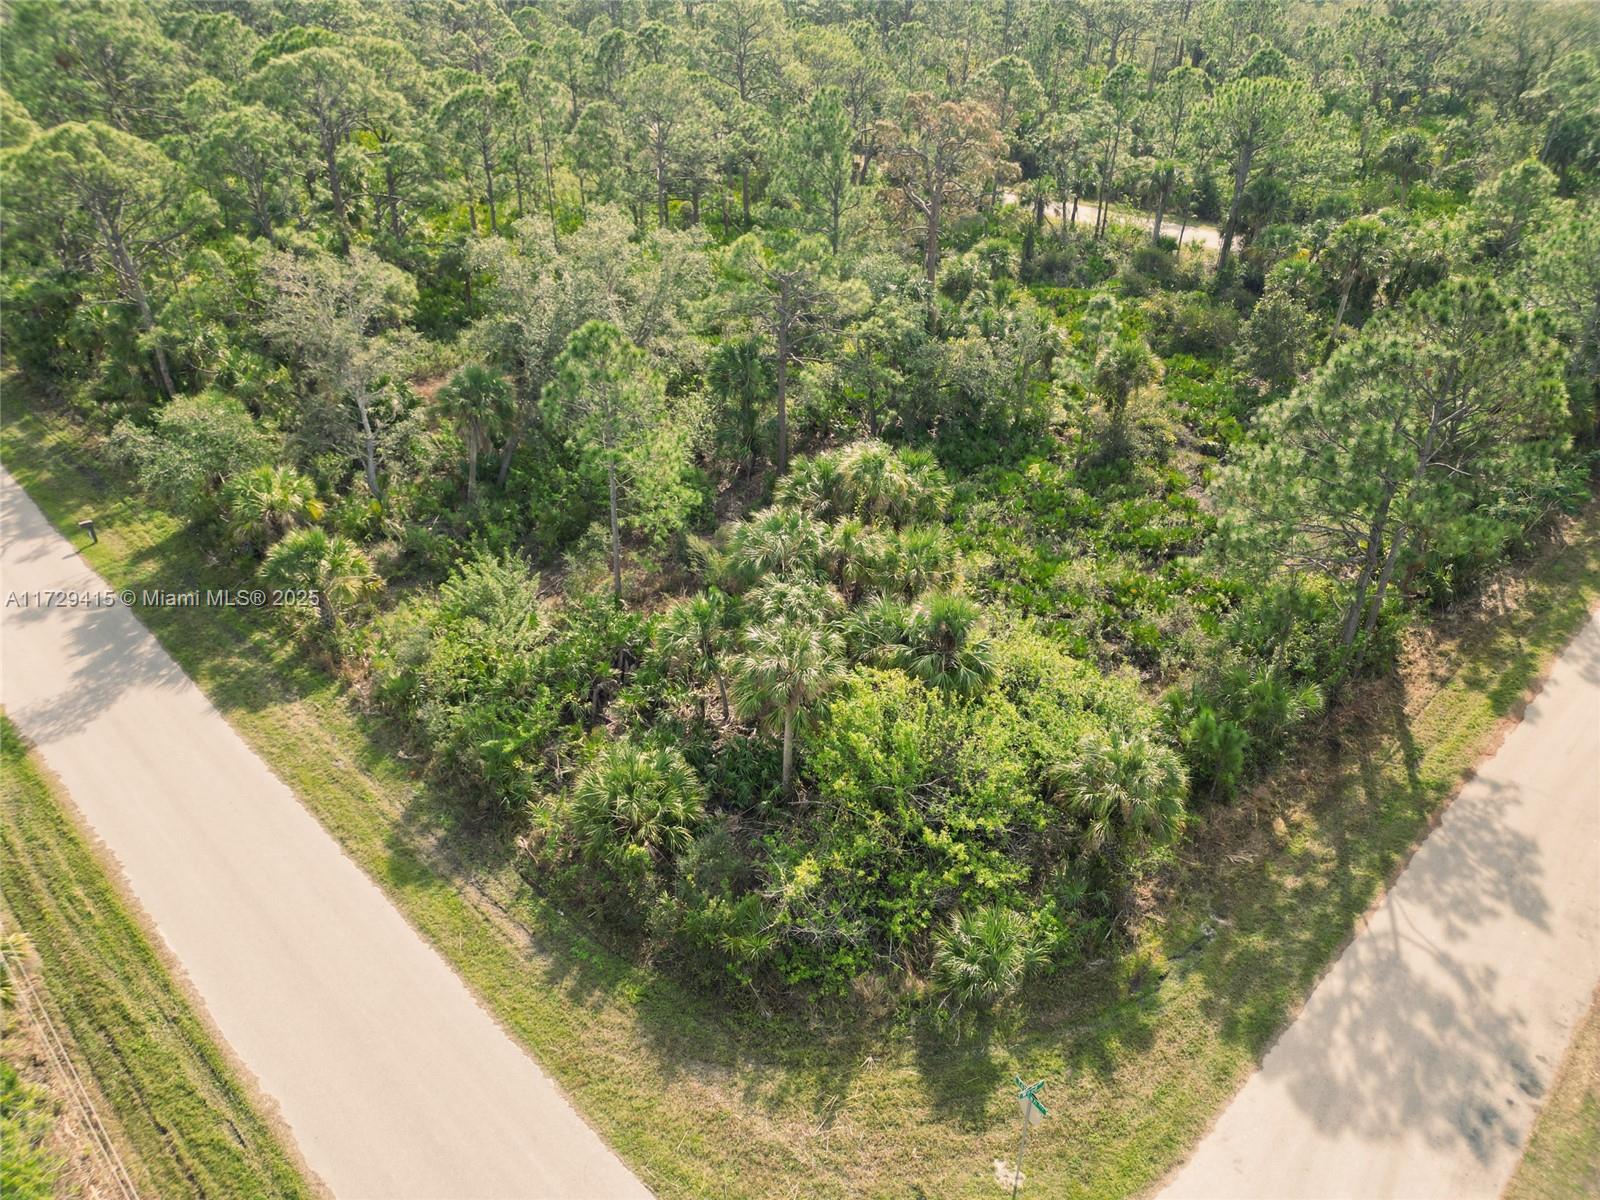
[831, 554]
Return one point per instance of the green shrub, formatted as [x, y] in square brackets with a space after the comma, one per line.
[981, 957]
[927, 804]
[471, 670]
[27, 1170]
[194, 445]
[634, 809]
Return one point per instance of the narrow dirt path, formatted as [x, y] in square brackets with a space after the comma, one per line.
[1205, 235]
[392, 1079]
[1417, 1066]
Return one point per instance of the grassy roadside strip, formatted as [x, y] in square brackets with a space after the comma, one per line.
[1563, 1154]
[176, 1100]
[1141, 1056]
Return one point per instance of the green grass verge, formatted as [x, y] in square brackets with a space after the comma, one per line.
[175, 1098]
[28, 1171]
[1563, 1155]
[1141, 1055]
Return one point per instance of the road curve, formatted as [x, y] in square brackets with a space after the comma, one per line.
[392, 1079]
[1417, 1066]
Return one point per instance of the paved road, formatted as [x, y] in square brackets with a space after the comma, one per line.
[392, 1079]
[1418, 1063]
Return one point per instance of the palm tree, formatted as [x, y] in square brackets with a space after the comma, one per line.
[917, 559]
[1405, 156]
[877, 486]
[775, 541]
[695, 633]
[879, 630]
[265, 503]
[815, 485]
[737, 372]
[476, 402]
[1356, 251]
[869, 480]
[636, 806]
[1126, 788]
[787, 665]
[1273, 705]
[334, 571]
[803, 601]
[946, 648]
[1121, 368]
[852, 554]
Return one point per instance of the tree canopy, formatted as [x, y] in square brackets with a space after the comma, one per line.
[836, 489]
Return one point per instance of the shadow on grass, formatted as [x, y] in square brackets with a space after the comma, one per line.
[1409, 1031]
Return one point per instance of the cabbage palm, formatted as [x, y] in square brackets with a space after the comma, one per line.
[852, 554]
[776, 540]
[786, 666]
[634, 806]
[332, 569]
[737, 373]
[1405, 156]
[803, 601]
[1274, 705]
[476, 402]
[879, 630]
[1122, 367]
[869, 480]
[815, 485]
[946, 648]
[696, 633]
[264, 503]
[982, 956]
[917, 559]
[878, 487]
[1127, 789]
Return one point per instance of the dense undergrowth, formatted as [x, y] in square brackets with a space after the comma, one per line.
[827, 590]
[860, 1095]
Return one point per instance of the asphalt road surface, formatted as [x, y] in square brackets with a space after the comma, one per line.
[392, 1079]
[1417, 1066]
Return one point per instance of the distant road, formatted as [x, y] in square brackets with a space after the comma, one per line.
[390, 1077]
[1206, 235]
[1417, 1067]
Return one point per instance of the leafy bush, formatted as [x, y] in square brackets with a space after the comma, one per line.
[471, 670]
[1190, 323]
[931, 804]
[194, 446]
[29, 1171]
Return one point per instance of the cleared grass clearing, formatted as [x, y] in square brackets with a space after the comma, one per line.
[177, 1103]
[1563, 1154]
[701, 1102]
